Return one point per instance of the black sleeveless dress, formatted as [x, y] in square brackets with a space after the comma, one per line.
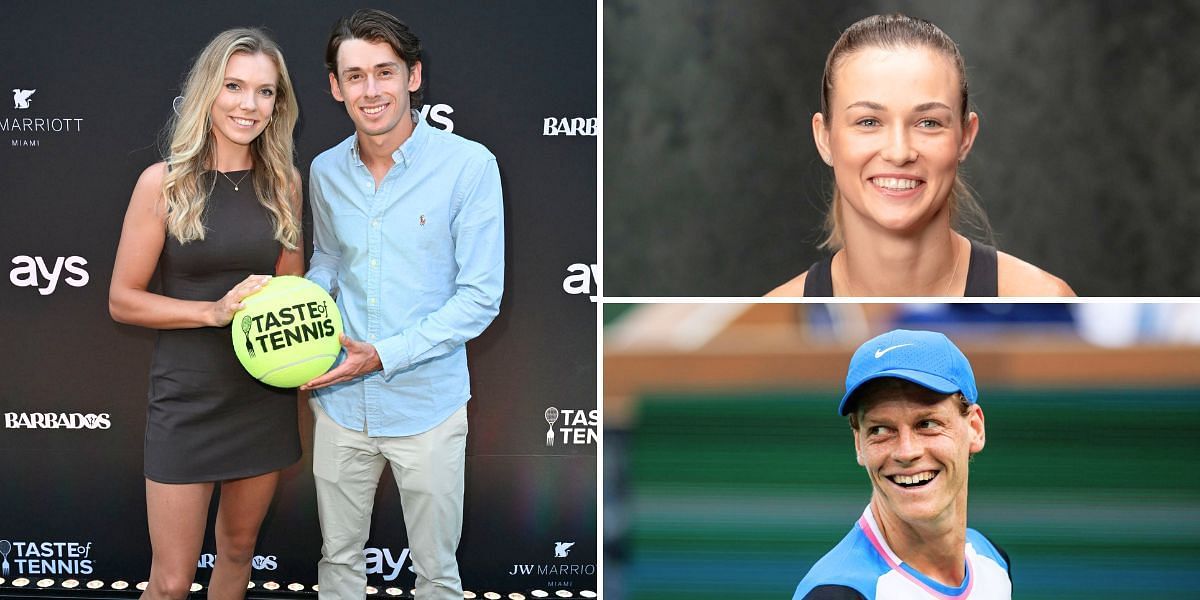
[982, 277]
[208, 419]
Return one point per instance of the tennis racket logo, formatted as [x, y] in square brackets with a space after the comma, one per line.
[5, 548]
[246, 324]
[551, 417]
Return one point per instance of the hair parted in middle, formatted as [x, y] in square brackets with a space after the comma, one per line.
[375, 26]
[892, 32]
[191, 148]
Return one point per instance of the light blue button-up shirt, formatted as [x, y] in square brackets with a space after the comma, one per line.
[417, 267]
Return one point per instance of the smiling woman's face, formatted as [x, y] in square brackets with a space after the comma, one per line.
[894, 135]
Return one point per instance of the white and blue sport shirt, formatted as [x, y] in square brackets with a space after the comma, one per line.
[863, 567]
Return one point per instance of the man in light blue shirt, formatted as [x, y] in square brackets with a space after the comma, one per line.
[408, 233]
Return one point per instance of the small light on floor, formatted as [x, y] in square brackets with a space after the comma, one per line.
[142, 585]
[467, 595]
[372, 590]
[296, 587]
[516, 596]
[20, 582]
[271, 585]
[95, 584]
[587, 594]
[539, 594]
[395, 591]
[45, 583]
[564, 594]
[120, 584]
[70, 584]
[195, 587]
[250, 585]
[491, 595]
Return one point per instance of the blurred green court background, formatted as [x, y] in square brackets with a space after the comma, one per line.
[1093, 494]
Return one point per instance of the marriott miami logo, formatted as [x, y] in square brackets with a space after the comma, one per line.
[27, 128]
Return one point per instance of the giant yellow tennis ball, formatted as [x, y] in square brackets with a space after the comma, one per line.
[288, 332]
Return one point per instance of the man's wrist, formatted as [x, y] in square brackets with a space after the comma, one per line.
[375, 361]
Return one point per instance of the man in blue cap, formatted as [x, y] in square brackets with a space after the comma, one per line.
[913, 408]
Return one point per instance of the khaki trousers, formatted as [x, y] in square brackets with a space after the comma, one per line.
[428, 468]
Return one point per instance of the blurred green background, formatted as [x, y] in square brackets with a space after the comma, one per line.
[1093, 493]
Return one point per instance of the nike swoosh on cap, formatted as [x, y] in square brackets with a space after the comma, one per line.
[880, 353]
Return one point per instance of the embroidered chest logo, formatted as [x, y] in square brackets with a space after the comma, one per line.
[421, 220]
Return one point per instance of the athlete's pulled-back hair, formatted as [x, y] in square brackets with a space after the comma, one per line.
[892, 32]
[191, 148]
[377, 26]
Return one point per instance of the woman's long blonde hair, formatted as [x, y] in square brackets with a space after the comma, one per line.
[191, 147]
[902, 31]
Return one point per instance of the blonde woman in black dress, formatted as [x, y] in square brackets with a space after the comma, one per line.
[216, 218]
[894, 125]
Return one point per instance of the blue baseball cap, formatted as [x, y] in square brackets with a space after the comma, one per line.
[926, 358]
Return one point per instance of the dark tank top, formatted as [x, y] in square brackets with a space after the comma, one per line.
[982, 280]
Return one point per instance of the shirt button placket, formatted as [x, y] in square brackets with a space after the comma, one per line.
[374, 248]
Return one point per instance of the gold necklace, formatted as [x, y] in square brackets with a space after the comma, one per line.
[239, 181]
[953, 273]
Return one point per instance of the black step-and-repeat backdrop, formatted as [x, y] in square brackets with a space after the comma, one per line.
[92, 86]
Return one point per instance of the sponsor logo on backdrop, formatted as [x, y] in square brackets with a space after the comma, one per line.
[27, 129]
[582, 279]
[45, 273]
[558, 569]
[577, 428]
[569, 126]
[551, 418]
[45, 558]
[382, 561]
[269, 562]
[438, 115]
[21, 98]
[56, 420]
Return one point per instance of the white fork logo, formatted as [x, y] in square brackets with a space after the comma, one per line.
[551, 417]
[5, 548]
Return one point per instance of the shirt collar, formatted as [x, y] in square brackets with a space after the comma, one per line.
[409, 150]
[870, 528]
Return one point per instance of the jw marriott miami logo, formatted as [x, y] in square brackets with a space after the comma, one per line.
[557, 569]
[27, 128]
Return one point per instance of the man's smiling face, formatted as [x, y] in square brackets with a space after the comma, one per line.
[916, 445]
